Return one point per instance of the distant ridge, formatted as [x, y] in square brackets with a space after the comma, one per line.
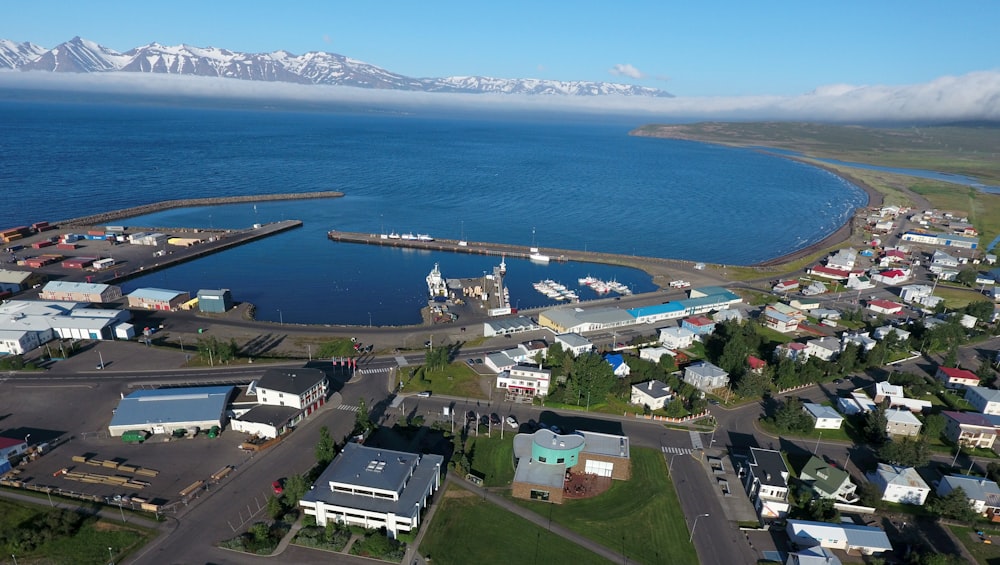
[80, 55]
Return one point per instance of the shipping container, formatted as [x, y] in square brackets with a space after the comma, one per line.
[135, 436]
[41, 244]
[66, 246]
[115, 229]
[40, 225]
[95, 232]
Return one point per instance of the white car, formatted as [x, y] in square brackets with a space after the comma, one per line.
[424, 394]
[511, 421]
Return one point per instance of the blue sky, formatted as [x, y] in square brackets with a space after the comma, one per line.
[698, 49]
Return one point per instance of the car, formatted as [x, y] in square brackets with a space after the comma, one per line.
[277, 488]
[838, 381]
[479, 361]
[511, 421]
[424, 394]
[470, 362]
[555, 429]
[713, 402]
[494, 419]
[484, 420]
[470, 416]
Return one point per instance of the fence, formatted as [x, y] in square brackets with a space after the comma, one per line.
[657, 418]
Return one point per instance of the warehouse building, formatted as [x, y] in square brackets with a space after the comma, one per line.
[163, 410]
[157, 299]
[27, 324]
[215, 301]
[80, 292]
[375, 488]
[16, 281]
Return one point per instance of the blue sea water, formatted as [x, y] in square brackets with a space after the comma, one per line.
[558, 183]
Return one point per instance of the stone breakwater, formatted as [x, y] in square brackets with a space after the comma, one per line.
[115, 215]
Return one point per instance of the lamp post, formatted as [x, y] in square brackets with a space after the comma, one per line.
[369, 319]
[957, 453]
[691, 537]
[101, 357]
[111, 557]
[816, 449]
[281, 318]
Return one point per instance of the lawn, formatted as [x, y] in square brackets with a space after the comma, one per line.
[457, 379]
[468, 530]
[984, 553]
[88, 545]
[642, 513]
[493, 458]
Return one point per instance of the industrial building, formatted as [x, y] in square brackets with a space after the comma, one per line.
[80, 292]
[375, 488]
[215, 301]
[27, 324]
[544, 457]
[157, 299]
[16, 281]
[163, 410]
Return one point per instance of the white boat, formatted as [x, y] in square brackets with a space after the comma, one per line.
[539, 258]
[393, 235]
[408, 236]
[424, 237]
[588, 280]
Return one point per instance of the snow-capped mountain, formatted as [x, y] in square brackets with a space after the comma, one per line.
[83, 56]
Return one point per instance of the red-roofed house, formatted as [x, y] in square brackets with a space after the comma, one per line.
[885, 306]
[756, 365]
[10, 447]
[786, 286]
[895, 255]
[953, 377]
[829, 272]
[794, 350]
[892, 276]
[700, 325]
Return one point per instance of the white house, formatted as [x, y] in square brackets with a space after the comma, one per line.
[886, 307]
[856, 403]
[575, 344]
[882, 331]
[524, 381]
[654, 394]
[676, 337]
[985, 400]
[861, 339]
[913, 292]
[705, 376]
[826, 348]
[375, 488]
[655, 353]
[843, 259]
[953, 377]
[902, 485]
[824, 417]
[618, 365]
[861, 282]
[779, 321]
[984, 494]
[902, 422]
[765, 480]
[848, 537]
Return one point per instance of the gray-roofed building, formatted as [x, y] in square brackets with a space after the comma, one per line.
[765, 480]
[509, 326]
[823, 417]
[28, 324]
[80, 292]
[579, 320]
[16, 281]
[849, 537]
[294, 393]
[544, 457]
[813, 556]
[705, 376]
[157, 299]
[898, 484]
[984, 494]
[163, 410]
[985, 400]
[654, 394]
[265, 421]
[902, 422]
[574, 343]
[375, 488]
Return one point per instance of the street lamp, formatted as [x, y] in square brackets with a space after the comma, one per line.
[281, 318]
[691, 537]
[111, 557]
[816, 449]
[369, 319]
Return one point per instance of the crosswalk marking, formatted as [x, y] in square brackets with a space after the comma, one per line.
[373, 370]
[677, 450]
[347, 408]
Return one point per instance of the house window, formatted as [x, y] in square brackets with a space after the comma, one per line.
[561, 460]
[541, 460]
[539, 494]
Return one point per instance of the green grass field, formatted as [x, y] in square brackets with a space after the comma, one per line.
[89, 545]
[457, 379]
[493, 458]
[642, 513]
[984, 553]
[468, 531]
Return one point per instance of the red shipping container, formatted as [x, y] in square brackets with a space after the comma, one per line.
[66, 246]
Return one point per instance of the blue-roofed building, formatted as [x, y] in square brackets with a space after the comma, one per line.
[618, 364]
[658, 312]
[375, 488]
[157, 299]
[848, 537]
[163, 410]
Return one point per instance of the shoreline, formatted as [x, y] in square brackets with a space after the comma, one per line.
[113, 215]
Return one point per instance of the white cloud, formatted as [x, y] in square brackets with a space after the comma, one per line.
[974, 96]
[626, 71]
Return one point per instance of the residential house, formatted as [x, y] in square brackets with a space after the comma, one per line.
[375, 488]
[823, 417]
[765, 480]
[861, 339]
[941, 259]
[886, 307]
[985, 400]
[843, 259]
[825, 348]
[756, 365]
[618, 364]
[882, 331]
[676, 337]
[779, 321]
[860, 282]
[902, 422]
[654, 354]
[901, 485]
[953, 377]
[912, 292]
[729, 314]
[848, 537]
[654, 394]
[524, 382]
[970, 428]
[705, 376]
[892, 276]
[816, 287]
[984, 494]
[856, 403]
[699, 325]
[575, 344]
[813, 556]
[786, 286]
[832, 273]
[285, 397]
[795, 351]
[884, 390]
[825, 314]
[827, 481]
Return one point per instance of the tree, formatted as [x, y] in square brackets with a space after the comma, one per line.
[875, 425]
[592, 376]
[981, 310]
[790, 417]
[556, 355]
[967, 276]
[437, 358]
[326, 449]
[753, 384]
[362, 422]
[906, 452]
[953, 505]
[275, 507]
[215, 351]
[934, 424]
[849, 359]
[822, 510]
[295, 487]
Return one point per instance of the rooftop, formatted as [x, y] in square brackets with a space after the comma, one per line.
[170, 405]
[157, 294]
[293, 381]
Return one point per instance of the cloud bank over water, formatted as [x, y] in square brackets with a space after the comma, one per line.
[973, 96]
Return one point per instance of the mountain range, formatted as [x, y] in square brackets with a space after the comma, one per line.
[315, 67]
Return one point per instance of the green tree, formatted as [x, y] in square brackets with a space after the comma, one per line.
[849, 359]
[437, 358]
[907, 452]
[954, 505]
[967, 276]
[934, 425]
[275, 507]
[822, 510]
[592, 376]
[326, 449]
[556, 355]
[875, 425]
[982, 310]
[362, 421]
[790, 417]
[667, 363]
[214, 351]
[754, 384]
[296, 487]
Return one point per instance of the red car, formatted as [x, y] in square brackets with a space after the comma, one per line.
[276, 485]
